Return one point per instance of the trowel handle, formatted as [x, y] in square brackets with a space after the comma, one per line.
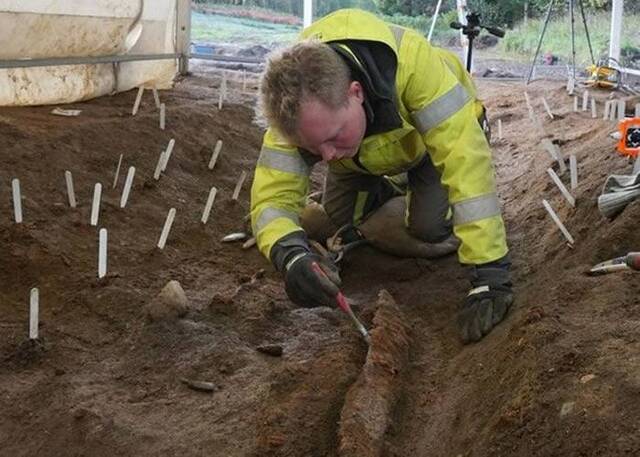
[342, 302]
[633, 260]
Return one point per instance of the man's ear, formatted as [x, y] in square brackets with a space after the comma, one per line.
[356, 90]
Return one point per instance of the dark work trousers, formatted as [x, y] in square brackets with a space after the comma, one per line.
[350, 198]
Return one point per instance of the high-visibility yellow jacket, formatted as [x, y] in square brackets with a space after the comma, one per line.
[436, 100]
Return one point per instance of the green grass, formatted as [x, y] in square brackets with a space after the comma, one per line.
[243, 31]
[518, 43]
[216, 28]
[523, 40]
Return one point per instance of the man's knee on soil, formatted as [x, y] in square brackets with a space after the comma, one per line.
[386, 230]
[316, 222]
[430, 230]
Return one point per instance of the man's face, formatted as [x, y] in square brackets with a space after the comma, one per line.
[333, 134]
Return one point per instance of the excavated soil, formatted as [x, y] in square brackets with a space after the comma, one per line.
[370, 402]
[560, 376]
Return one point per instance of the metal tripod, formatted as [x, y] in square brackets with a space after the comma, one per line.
[573, 36]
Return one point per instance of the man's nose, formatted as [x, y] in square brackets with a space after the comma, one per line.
[327, 152]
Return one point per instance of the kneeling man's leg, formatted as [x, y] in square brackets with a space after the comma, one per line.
[428, 204]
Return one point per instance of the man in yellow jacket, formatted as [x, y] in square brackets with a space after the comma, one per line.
[375, 100]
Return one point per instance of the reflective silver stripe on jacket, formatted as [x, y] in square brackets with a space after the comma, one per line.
[281, 161]
[398, 32]
[269, 214]
[438, 111]
[476, 208]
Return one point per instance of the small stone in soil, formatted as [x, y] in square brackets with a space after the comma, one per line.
[567, 408]
[201, 386]
[170, 303]
[274, 350]
[586, 378]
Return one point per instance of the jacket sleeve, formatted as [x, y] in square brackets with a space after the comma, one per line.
[444, 109]
[280, 185]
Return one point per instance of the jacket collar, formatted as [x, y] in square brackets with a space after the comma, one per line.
[374, 65]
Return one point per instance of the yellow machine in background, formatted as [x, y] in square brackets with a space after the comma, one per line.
[605, 74]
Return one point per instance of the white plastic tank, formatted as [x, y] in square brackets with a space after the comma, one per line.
[65, 28]
[31, 29]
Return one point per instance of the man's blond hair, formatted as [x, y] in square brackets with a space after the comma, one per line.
[308, 69]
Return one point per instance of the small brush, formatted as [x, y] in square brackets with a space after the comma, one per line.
[344, 306]
[342, 302]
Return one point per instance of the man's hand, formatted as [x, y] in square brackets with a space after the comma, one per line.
[308, 285]
[488, 302]
[483, 309]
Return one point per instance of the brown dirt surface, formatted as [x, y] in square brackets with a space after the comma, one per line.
[559, 377]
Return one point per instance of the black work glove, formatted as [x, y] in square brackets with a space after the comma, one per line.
[311, 280]
[488, 301]
[306, 285]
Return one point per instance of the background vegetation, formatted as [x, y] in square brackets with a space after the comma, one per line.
[523, 39]
[522, 18]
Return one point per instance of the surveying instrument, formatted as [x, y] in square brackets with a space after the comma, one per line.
[472, 29]
[572, 6]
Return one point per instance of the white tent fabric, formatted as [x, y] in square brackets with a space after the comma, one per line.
[81, 28]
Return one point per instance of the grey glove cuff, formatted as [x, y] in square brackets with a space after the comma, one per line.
[493, 274]
[287, 247]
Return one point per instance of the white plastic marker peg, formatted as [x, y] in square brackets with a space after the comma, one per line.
[555, 154]
[115, 178]
[207, 207]
[594, 112]
[547, 108]
[95, 207]
[17, 200]
[612, 112]
[136, 104]
[223, 90]
[236, 191]
[607, 108]
[558, 222]
[167, 153]
[529, 107]
[102, 253]
[561, 186]
[158, 170]
[220, 99]
[249, 243]
[163, 112]
[585, 100]
[34, 308]
[621, 110]
[571, 85]
[575, 103]
[224, 84]
[548, 145]
[216, 153]
[167, 228]
[499, 129]
[573, 168]
[560, 157]
[127, 187]
[156, 97]
[70, 192]
[244, 80]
